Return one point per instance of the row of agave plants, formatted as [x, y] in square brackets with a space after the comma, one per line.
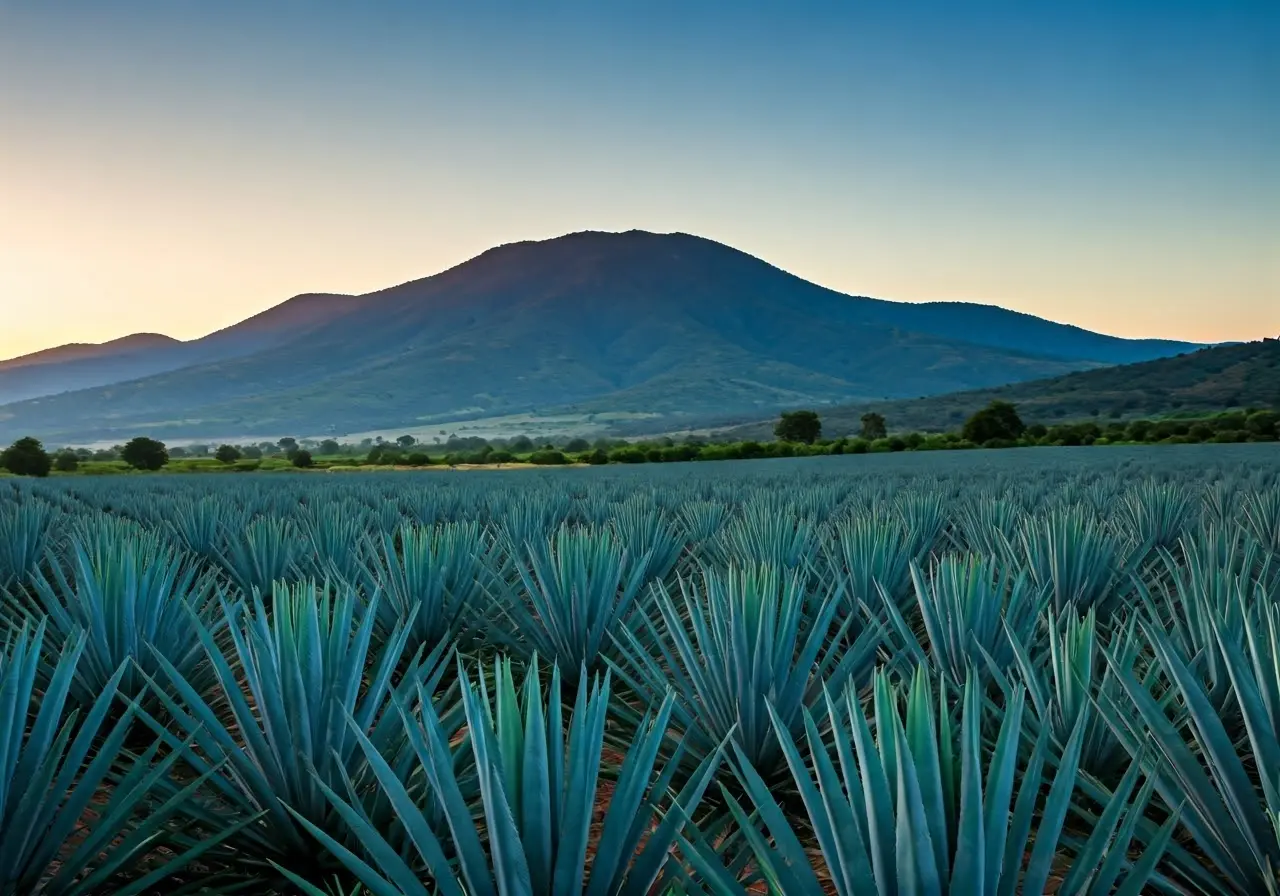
[599, 682]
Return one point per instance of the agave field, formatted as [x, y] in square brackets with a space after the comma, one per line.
[984, 673]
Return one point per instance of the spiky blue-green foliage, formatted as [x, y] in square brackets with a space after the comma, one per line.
[200, 526]
[531, 831]
[925, 517]
[1074, 558]
[871, 556]
[61, 765]
[24, 536]
[1065, 671]
[266, 551]
[1199, 599]
[1155, 514]
[1261, 512]
[336, 541]
[969, 610]
[136, 599]
[1225, 776]
[729, 643]
[287, 685]
[428, 579]
[762, 536]
[986, 524]
[905, 802]
[702, 520]
[648, 535]
[572, 593]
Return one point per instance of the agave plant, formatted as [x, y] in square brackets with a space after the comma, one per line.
[871, 556]
[24, 537]
[1200, 603]
[336, 539]
[574, 591]
[702, 520]
[199, 526]
[1070, 555]
[916, 806]
[60, 765]
[1064, 675]
[534, 823]
[1155, 515]
[1262, 516]
[290, 680]
[137, 599]
[266, 551]
[428, 578]
[1226, 783]
[925, 519]
[970, 612]
[762, 537]
[647, 534]
[987, 525]
[729, 643]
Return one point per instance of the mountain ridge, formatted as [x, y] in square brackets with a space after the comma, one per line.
[634, 322]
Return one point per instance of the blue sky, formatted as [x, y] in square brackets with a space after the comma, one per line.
[176, 166]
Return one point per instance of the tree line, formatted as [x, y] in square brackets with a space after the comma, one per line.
[798, 434]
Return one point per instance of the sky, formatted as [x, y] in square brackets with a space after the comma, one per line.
[177, 166]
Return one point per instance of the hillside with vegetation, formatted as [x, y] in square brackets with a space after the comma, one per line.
[676, 327]
[1196, 384]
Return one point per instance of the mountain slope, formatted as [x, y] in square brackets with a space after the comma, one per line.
[78, 351]
[79, 366]
[1201, 382]
[636, 321]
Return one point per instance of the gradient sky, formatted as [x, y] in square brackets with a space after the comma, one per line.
[176, 166]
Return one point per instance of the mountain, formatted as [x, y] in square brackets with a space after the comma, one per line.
[77, 366]
[1212, 379]
[670, 325]
[79, 351]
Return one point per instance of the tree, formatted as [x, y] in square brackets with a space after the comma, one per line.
[288, 445]
[577, 446]
[330, 446]
[406, 441]
[252, 452]
[26, 457]
[301, 458]
[66, 462]
[798, 426]
[521, 444]
[227, 454]
[998, 420]
[145, 454]
[873, 427]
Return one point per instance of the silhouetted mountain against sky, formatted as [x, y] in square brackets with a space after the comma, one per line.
[667, 324]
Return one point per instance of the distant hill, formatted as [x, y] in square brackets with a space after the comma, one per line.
[79, 351]
[665, 324]
[1201, 382]
[77, 366]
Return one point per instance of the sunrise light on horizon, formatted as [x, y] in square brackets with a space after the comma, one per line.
[175, 168]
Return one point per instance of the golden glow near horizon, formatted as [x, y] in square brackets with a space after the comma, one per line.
[176, 169]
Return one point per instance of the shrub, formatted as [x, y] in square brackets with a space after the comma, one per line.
[26, 457]
[548, 457]
[798, 426]
[301, 459]
[142, 453]
[66, 462]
